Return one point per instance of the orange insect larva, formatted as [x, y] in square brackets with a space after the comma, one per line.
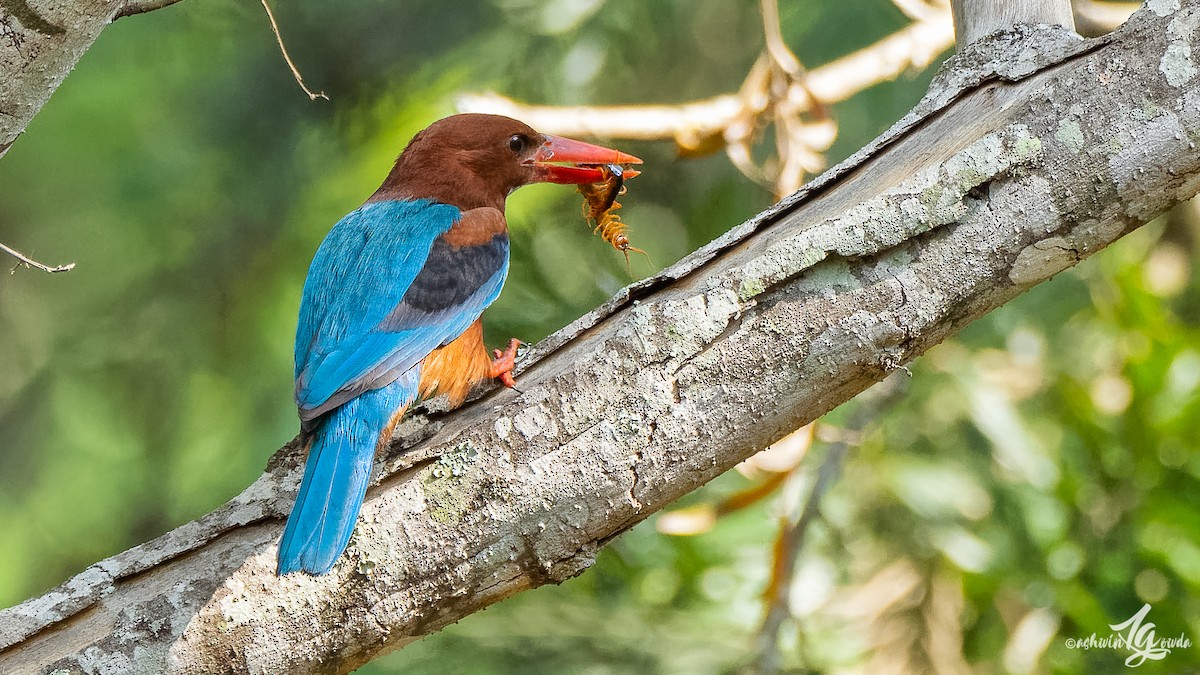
[601, 204]
[612, 230]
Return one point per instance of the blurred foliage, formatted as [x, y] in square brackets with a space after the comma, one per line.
[1038, 481]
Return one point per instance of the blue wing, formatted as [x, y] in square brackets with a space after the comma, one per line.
[386, 287]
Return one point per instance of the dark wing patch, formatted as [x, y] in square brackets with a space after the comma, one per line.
[451, 275]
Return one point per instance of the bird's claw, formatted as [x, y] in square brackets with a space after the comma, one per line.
[504, 362]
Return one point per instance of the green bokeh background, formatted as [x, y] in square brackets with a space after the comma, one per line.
[1038, 481]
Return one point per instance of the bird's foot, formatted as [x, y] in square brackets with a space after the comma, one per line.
[504, 362]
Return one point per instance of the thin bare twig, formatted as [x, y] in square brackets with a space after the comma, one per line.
[283, 50]
[30, 262]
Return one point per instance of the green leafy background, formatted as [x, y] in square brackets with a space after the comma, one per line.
[1038, 481]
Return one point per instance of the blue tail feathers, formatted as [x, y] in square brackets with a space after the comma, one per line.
[336, 477]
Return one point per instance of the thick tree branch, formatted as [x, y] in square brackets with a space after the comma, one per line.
[1033, 151]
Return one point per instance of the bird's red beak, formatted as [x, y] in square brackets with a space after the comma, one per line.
[562, 160]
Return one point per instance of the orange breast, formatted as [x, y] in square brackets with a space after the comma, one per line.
[455, 368]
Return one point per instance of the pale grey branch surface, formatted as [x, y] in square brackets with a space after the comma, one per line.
[974, 19]
[1033, 150]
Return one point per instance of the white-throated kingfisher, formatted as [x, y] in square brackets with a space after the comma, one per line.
[391, 306]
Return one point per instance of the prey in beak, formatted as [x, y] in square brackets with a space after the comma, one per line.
[570, 162]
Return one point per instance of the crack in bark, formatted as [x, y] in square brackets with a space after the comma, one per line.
[734, 323]
[634, 463]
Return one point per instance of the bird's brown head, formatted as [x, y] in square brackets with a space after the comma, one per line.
[474, 160]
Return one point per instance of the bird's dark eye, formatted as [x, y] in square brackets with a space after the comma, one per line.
[516, 143]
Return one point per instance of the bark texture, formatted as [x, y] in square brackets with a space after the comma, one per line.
[1033, 150]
